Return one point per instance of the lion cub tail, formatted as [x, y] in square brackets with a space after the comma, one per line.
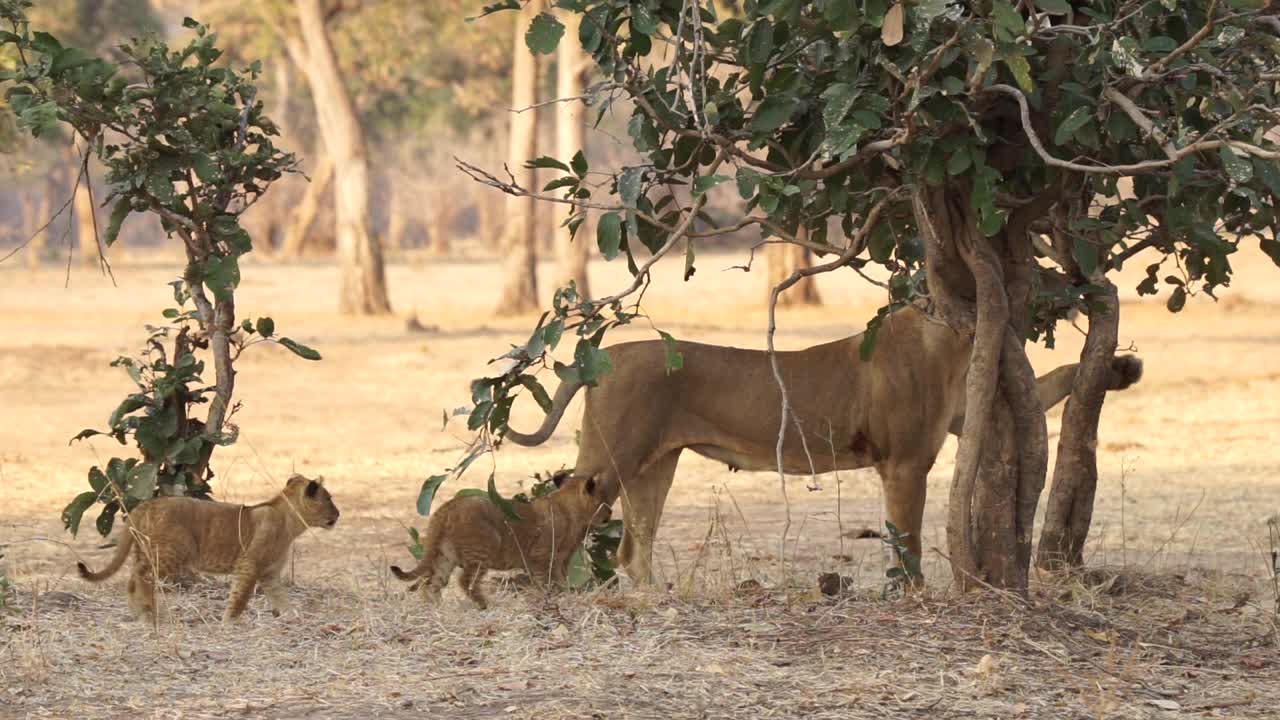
[430, 553]
[122, 552]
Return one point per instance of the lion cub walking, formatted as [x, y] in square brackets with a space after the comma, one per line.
[172, 534]
[472, 532]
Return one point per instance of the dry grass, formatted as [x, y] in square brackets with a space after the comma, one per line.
[1190, 619]
[1127, 645]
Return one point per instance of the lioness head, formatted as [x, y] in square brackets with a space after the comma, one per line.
[312, 501]
[584, 495]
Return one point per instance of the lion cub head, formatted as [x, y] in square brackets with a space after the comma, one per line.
[312, 501]
[583, 496]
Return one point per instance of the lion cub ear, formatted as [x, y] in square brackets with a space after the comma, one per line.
[590, 485]
[559, 478]
[312, 488]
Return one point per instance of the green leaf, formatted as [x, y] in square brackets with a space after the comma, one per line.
[107, 517]
[1086, 255]
[552, 332]
[1071, 124]
[959, 161]
[629, 185]
[760, 42]
[222, 275]
[1008, 24]
[1177, 299]
[74, 510]
[470, 492]
[539, 393]
[90, 432]
[118, 213]
[674, 358]
[1021, 70]
[45, 43]
[748, 181]
[1054, 7]
[97, 479]
[1239, 169]
[544, 34]
[496, 499]
[299, 349]
[609, 235]
[547, 162]
[704, 183]
[142, 481]
[428, 493]
[1268, 171]
[642, 19]
[773, 113]
[266, 327]
[1272, 249]
[579, 164]
[205, 168]
[839, 99]
[579, 573]
[69, 58]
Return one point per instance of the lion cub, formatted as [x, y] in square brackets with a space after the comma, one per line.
[472, 532]
[171, 534]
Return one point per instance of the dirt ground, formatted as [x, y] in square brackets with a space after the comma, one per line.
[1182, 621]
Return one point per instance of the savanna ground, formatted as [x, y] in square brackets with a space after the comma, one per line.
[1179, 617]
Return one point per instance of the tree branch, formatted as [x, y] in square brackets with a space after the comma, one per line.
[1131, 169]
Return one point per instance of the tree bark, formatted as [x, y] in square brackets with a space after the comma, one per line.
[36, 212]
[570, 139]
[364, 286]
[520, 287]
[1075, 474]
[303, 217]
[1001, 460]
[783, 260]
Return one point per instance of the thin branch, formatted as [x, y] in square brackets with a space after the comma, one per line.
[1187, 46]
[856, 245]
[1140, 119]
[1131, 169]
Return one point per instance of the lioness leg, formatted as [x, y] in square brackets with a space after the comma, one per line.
[642, 501]
[904, 494]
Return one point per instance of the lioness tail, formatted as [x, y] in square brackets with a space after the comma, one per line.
[122, 552]
[564, 394]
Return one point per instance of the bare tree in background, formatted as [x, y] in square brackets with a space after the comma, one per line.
[570, 139]
[364, 286]
[302, 219]
[520, 286]
[786, 258]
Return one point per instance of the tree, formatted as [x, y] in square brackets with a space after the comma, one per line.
[785, 259]
[570, 140]
[187, 142]
[952, 136]
[519, 238]
[364, 285]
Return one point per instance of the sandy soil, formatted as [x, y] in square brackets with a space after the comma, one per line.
[1188, 479]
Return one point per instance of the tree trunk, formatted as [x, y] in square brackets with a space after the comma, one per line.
[520, 287]
[1000, 464]
[396, 209]
[1075, 475]
[37, 208]
[570, 139]
[303, 217]
[440, 229]
[784, 259]
[364, 286]
[271, 226]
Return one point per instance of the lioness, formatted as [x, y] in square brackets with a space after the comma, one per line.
[473, 532]
[171, 534]
[891, 412]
